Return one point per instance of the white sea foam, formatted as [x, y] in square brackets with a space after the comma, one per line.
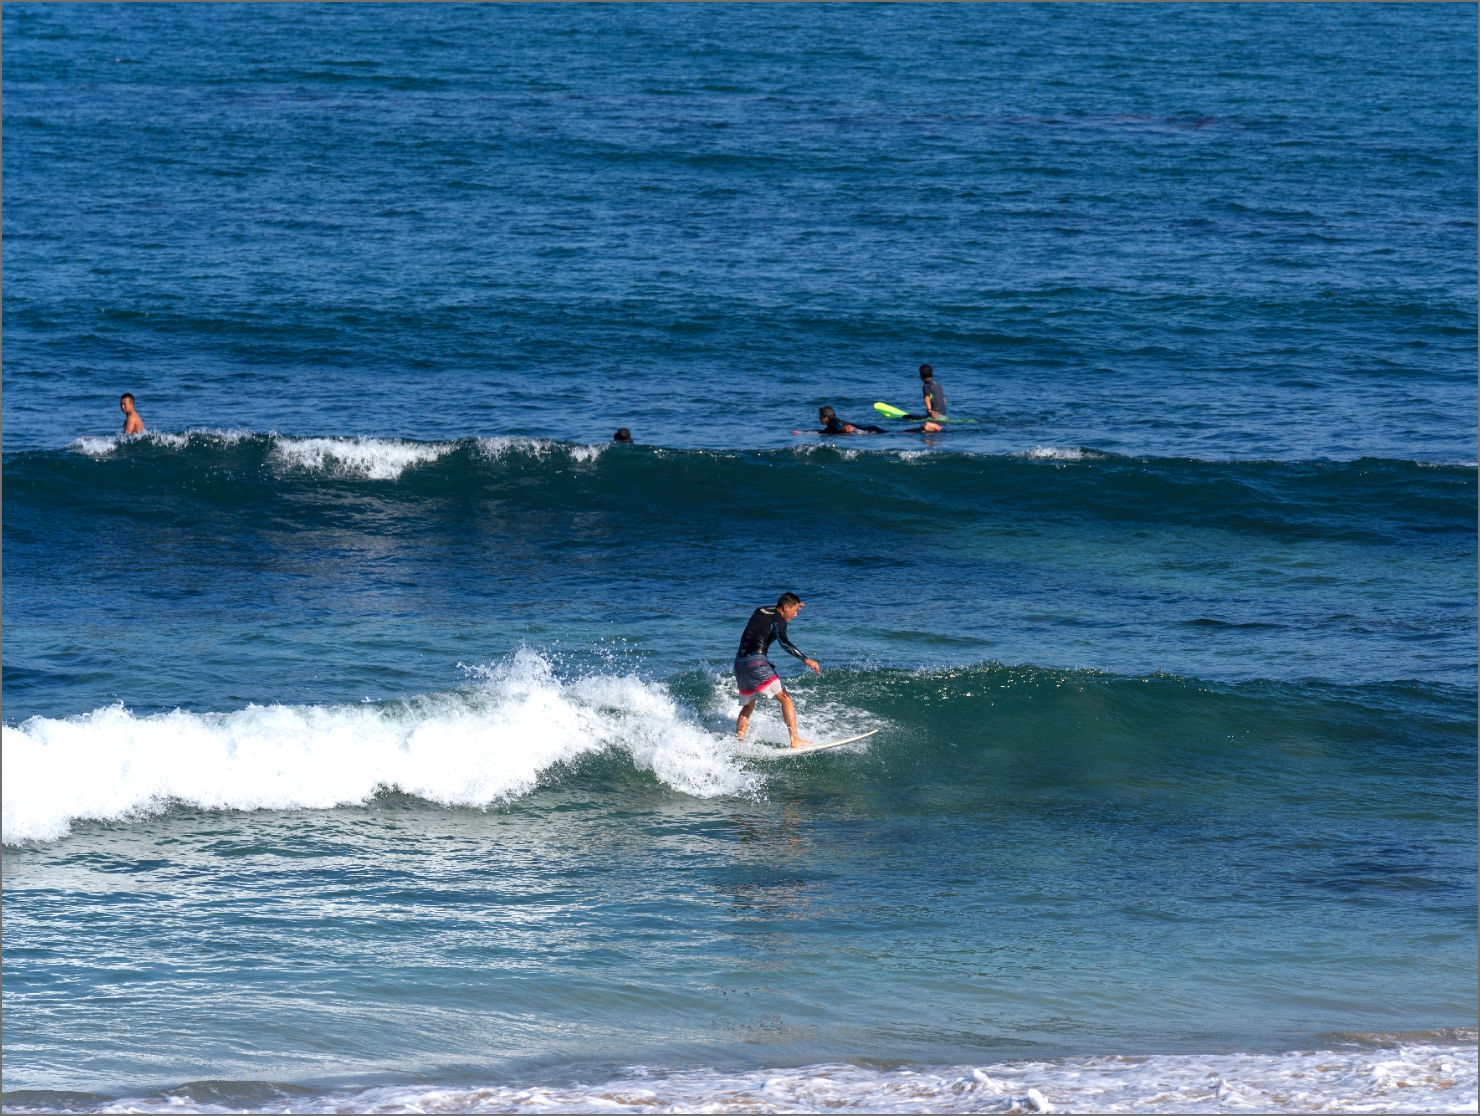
[818, 719]
[853, 452]
[372, 458]
[1407, 1077]
[478, 746]
[226, 436]
[367, 457]
[1058, 453]
[503, 446]
[95, 445]
[99, 445]
[807, 449]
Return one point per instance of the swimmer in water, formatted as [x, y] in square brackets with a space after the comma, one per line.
[132, 423]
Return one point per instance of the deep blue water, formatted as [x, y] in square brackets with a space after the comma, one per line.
[366, 722]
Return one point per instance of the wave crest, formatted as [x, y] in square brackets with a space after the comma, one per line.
[480, 746]
[371, 458]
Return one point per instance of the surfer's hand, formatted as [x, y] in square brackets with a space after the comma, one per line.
[812, 666]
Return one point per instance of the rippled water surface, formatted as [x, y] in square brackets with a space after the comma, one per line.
[367, 732]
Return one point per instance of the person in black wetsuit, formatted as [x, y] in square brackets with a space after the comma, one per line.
[754, 673]
[831, 424]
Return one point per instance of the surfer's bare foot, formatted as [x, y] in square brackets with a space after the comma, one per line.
[799, 742]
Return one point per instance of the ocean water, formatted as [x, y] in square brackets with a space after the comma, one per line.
[367, 722]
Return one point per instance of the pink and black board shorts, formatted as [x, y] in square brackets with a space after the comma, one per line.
[756, 677]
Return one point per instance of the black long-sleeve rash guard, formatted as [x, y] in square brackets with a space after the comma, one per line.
[836, 425]
[766, 626]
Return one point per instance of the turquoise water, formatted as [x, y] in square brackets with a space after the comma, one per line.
[367, 722]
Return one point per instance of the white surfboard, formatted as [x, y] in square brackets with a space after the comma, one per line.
[767, 751]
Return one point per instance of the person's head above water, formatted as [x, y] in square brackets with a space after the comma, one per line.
[926, 371]
[826, 413]
[789, 604]
[622, 435]
[132, 423]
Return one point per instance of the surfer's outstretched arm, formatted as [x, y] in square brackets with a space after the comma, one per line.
[778, 630]
[794, 651]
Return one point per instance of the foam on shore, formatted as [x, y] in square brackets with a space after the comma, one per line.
[1413, 1076]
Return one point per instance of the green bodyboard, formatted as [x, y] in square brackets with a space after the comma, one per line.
[895, 413]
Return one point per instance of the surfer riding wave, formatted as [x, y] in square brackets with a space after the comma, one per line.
[756, 676]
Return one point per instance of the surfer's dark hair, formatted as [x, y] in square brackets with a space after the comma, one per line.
[787, 599]
[926, 371]
[825, 413]
[126, 395]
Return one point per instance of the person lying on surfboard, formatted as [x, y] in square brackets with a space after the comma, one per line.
[754, 673]
[831, 424]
